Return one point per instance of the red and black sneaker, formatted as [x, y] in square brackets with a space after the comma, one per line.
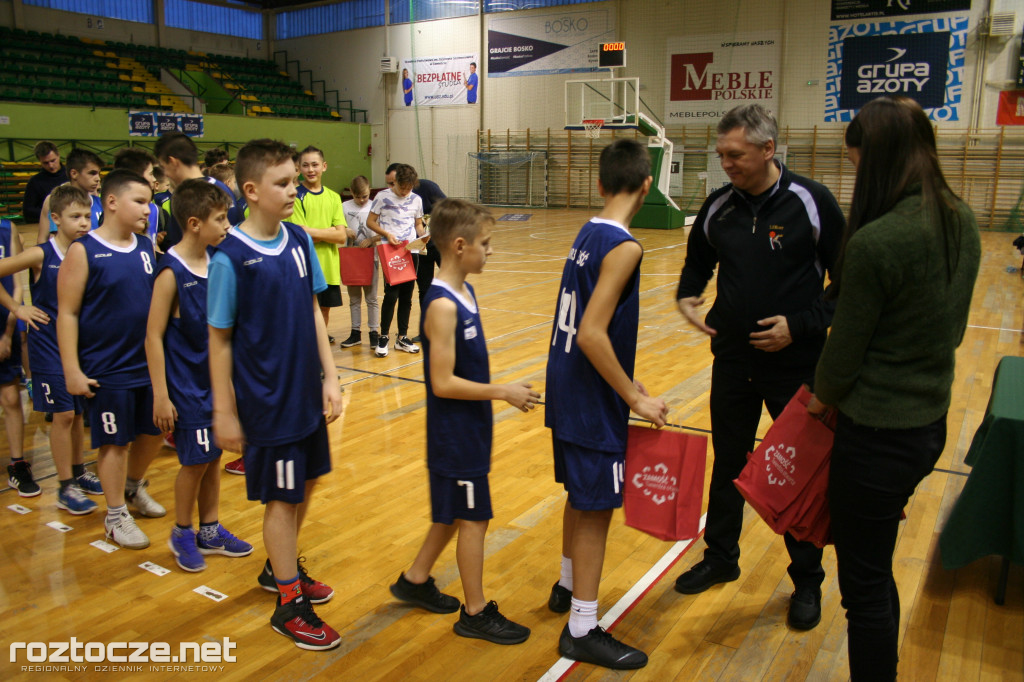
[317, 592]
[236, 466]
[297, 620]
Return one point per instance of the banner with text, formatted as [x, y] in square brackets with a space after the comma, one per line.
[922, 59]
[568, 42]
[156, 123]
[862, 9]
[709, 75]
[1011, 108]
[440, 81]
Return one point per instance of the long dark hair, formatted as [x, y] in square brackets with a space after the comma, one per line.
[898, 155]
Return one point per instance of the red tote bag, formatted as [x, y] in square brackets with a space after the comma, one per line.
[664, 482]
[785, 479]
[396, 262]
[356, 266]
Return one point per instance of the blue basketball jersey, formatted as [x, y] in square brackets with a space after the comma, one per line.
[6, 229]
[115, 309]
[276, 369]
[187, 347]
[579, 406]
[43, 353]
[459, 431]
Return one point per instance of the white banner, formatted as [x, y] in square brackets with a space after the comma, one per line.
[709, 75]
[439, 81]
[540, 44]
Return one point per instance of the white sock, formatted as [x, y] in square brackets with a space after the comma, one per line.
[113, 513]
[582, 617]
[566, 578]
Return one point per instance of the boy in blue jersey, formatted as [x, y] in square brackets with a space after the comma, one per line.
[138, 160]
[19, 472]
[472, 84]
[179, 157]
[103, 291]
[83, 172]
[269, 400]
[71, 207]
[459, 427]
[590, 391]
[177, 347]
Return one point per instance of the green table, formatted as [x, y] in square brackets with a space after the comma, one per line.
[989, 516]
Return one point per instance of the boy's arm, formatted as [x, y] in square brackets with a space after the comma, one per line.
[331, 235]
[227, 431]
[592, 336]
[165, 292]
[373, 223]
[71, 281]
[439, 325]
[43, 233]
[30, 258]
[331, 389]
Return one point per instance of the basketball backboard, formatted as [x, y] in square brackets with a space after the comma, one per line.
[616, 101]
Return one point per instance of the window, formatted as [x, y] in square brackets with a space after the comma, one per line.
[128, 10]
[197, 16]
[404, 11]
[342, 16]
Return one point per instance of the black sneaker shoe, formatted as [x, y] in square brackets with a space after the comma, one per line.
[382, 347]
[425, 595]
[560, 600]
[298, 621]
[19, 477]
[330, 339]
[316, 591]
[804, 608]
[703, 575]
[373, 339]
[354, 339]
[489, 624]
[403, 343]
[600, 648]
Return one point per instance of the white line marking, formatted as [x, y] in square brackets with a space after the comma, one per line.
[999, 329]
[630, 599]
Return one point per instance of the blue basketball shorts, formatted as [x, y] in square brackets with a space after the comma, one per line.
[117, 416]
[50, 394]
[459, 498]
[195, 445]
[593, 478]
[280, 472]
[10, 369]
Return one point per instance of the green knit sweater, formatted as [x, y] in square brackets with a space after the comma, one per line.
[888, 361]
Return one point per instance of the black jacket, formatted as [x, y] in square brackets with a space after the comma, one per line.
[772, 257]
[38, 188]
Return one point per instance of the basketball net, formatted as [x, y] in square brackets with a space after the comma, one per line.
[592, 127]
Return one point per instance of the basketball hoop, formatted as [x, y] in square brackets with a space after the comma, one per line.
[592, 127]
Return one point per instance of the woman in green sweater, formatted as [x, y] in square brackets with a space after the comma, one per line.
[910, 258]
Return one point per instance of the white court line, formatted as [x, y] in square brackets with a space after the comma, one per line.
[562, 667]
[999, 329]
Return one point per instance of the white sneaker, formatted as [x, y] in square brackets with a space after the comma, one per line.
[141, 502]
[125, 533]
[382, 347]
[404, 344]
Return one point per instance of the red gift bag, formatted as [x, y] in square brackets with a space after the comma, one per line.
[356, 266]
[396, 262]
[786, 477]
[664, 484]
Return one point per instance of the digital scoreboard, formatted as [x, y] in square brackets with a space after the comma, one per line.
[612, 55]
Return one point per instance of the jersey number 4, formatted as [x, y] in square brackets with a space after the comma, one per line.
[566, 319]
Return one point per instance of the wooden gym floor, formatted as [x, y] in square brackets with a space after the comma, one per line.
[370, 514]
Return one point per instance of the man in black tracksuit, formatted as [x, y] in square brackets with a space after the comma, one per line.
[773, 235]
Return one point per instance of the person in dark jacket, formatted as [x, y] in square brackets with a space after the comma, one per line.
[45, 181]
[773, 235]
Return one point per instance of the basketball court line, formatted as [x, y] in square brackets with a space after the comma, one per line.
[630, 599]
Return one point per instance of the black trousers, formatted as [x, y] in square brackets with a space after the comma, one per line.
[873, 474]
[425, 271]
[402, 293]
[736, 401]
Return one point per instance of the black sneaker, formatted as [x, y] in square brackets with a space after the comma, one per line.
[804, 608]
[330, 339]
[425, 595]
[19, 477]
[317, 591]
[373, 339]
[560, 600]
[382, 347]
[600, 648]
[703, 575]
[354, 339]
[489, 624]
[403, 343]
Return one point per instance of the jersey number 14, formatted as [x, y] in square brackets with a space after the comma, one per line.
[566, 319]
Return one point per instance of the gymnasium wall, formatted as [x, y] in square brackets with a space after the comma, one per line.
[436, 139]
[344, 144]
